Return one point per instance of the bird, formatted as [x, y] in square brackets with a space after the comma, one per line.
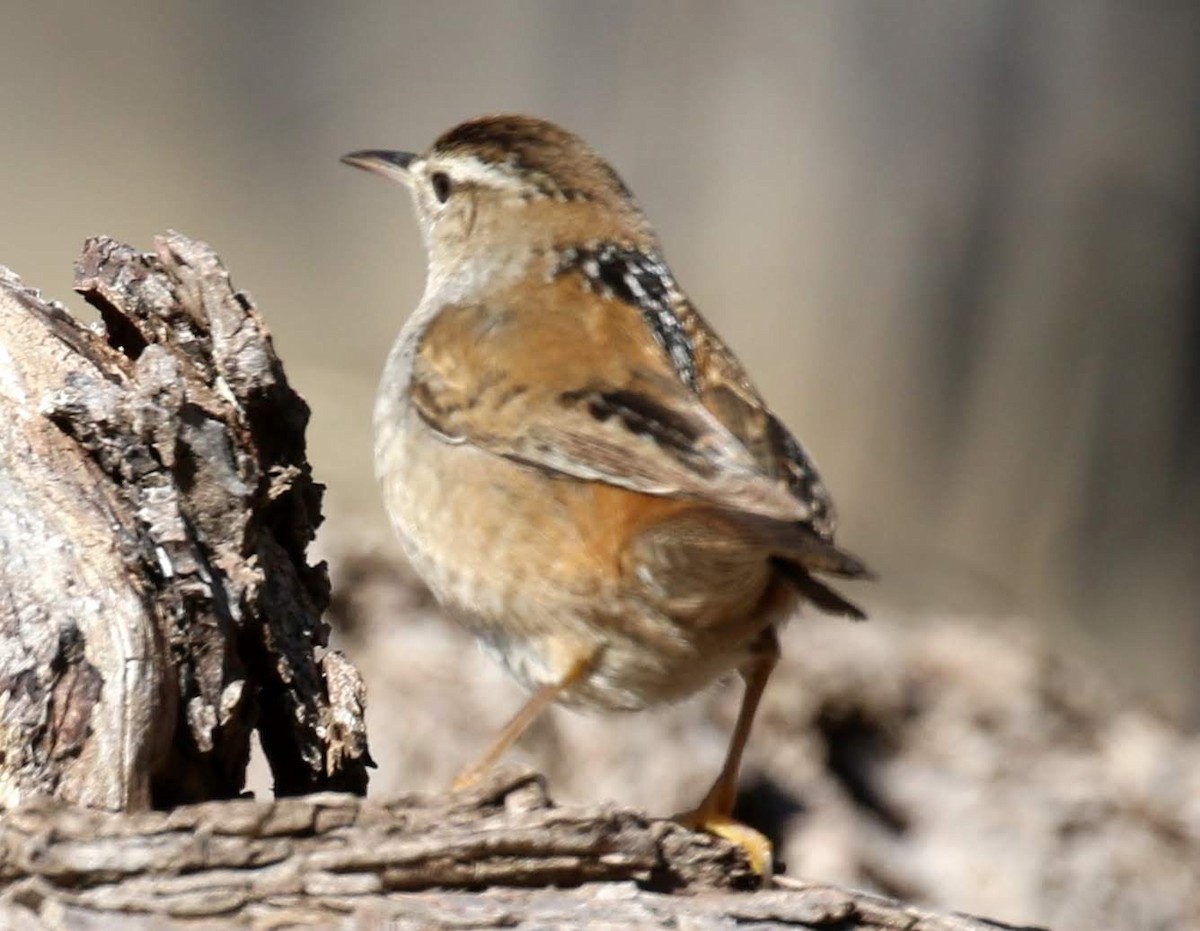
[575, 463]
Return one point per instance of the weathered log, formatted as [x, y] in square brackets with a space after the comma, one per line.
[157, 505]
[418, 861]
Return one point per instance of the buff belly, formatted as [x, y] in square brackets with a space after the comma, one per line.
[515, 557]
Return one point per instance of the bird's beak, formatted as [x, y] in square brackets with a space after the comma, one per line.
[392, 165]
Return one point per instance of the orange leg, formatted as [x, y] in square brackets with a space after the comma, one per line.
[715, 812]
[520, 722]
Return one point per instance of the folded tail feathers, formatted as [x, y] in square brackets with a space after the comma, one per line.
[825, 557]
[797, 543]
[820, 594]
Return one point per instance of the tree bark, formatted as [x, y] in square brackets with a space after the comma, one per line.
[157, 504]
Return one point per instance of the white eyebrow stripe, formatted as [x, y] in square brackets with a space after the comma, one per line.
[468, 168]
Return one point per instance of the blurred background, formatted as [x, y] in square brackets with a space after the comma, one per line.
[958, 245]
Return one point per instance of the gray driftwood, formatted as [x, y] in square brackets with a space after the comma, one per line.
[156, 509]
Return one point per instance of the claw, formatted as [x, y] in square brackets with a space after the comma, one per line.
[758, 849]
[464, 781]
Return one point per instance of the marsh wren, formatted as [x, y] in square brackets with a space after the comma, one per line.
[575, 463]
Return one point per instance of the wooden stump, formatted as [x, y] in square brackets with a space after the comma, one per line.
[157, 505]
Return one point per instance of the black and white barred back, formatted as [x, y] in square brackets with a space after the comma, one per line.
[641, 280]
[644, 281]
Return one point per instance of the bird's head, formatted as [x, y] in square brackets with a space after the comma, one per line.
[500, 184]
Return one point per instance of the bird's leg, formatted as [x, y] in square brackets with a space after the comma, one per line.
[715, 813]
[520, 722]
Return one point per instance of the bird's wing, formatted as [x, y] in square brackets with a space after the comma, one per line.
[571, 385]
[726, 390]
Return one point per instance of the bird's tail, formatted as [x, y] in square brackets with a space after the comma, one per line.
[799, 552]
[818, 592]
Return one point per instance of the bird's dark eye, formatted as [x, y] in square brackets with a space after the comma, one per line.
[441, 185]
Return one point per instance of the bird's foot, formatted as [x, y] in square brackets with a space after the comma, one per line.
[758, 849]
[468, 778]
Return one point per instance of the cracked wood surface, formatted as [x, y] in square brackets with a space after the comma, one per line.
[419, 861]
[157, 506]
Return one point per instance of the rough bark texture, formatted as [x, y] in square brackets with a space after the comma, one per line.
[157, 507]
[418, 861]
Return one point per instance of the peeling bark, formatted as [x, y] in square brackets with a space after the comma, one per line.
[157, 509]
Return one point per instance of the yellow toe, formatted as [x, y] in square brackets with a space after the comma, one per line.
[758, 849]
[467, 779]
